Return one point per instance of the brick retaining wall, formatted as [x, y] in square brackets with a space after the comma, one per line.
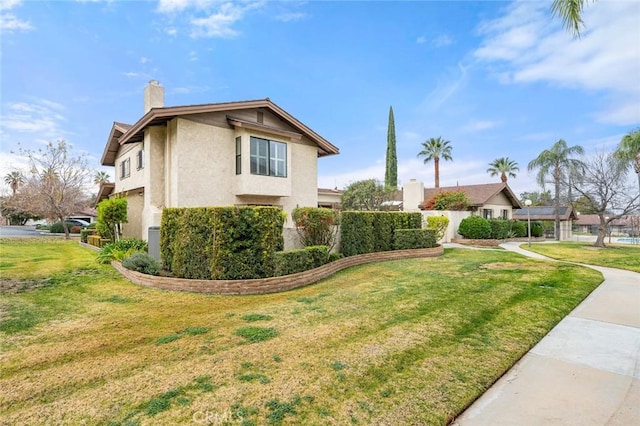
[273, 284]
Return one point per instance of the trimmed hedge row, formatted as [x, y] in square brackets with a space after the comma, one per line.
[414, 239]
[221, 243]
[479, 228]
[294, 261]
[368, 232]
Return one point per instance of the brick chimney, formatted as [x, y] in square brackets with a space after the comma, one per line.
[153, 96]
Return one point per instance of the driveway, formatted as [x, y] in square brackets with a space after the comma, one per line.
[24, 232]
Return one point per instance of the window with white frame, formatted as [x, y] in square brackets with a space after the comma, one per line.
[125, 168]
[268, 158]
[487, 213]
[140, 159]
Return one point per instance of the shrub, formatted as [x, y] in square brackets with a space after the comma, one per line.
[519, 228]
[221, 242]
[111, 212]
[537, 229]
[57, 228]
[475, 227]
[75, 229]
[316, 226]
[120, 250]
[193, 244]
[142, 262]
[85, 233]
[438, 224]
[256, 334]
[500, 228]
[368, 232]
[447, 200]
[294, 261]
[414, 239]
[335, 256]
[168, 230]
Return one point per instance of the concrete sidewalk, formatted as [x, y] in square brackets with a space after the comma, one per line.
[586, 371]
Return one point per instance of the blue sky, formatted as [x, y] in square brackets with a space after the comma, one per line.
[494, 78]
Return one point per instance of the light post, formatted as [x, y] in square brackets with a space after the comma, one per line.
[527, 203]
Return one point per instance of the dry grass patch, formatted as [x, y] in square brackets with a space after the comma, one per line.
[402, 342]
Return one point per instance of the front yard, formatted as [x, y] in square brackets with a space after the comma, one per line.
[401, 342]
[622, 256]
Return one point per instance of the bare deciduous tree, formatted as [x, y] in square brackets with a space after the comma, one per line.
[55, 183]
[604, 186]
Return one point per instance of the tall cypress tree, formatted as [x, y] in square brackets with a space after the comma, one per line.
[391, 171]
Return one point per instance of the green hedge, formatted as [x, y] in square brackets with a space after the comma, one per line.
[247, 239]
[168, 230]
[537, 229]
[368, 232]
[221, 242]
[475, 227]
[414, 239]
[192, 245]
[500, 228]
[519, 228]
[294, 261]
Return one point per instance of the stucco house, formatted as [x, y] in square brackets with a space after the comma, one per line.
[219, 154]
[490, 200]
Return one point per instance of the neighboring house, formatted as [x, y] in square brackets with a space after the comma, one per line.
[330, 198]
[491, 201]
[626, 225]
[222, 154]
[548, 213]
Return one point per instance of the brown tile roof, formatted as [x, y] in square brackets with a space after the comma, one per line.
[157, 116]
[478, 194]
[593, 219]
[330, 191]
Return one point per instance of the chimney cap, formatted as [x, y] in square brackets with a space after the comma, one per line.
[154, 82]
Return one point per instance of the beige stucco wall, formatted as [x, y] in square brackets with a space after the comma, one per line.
[191, 163]
[497, 203]
[133, 227]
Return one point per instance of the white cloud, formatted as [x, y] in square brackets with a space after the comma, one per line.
[42, 117]
[131, 74]
[442, 41]
[532, 47]
[479, 125]
[144, 60]
[187, 90]
[208, 18]
[9, 22]
[193, 55]
[291, 16]
[421, 40]
[455, 80]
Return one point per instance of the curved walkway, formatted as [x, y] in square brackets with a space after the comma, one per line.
[586, 371]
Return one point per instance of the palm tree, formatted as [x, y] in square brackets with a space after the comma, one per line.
[571, 13]
[557, 163]
[503, 167]
[100, 178]
[629, 150]
[434, 149]
[14, 180]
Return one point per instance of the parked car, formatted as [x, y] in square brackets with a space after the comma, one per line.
[76, 222]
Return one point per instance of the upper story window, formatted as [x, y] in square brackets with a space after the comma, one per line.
[487, 213]
[140, 159]
[238, 155]
[268, 158]
[125, 168]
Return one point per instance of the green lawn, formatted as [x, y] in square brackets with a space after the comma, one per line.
[613, 256]
[401, 342]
